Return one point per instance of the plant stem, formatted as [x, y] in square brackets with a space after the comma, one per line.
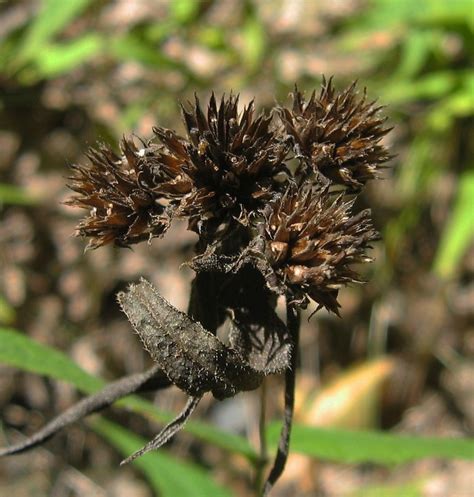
[262, 461]
[293, 323]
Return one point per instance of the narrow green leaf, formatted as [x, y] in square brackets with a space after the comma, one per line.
[457, 104]
[7, 312]
[446, 13]
[369, 446]
[184, 11]
[169, 476]
[388, 13]
[213, 37]
[411, 489]
[13, 195]
[254, 39]
[459, 232]
[207, 433]
[53, 17]
[131, 47]
[432, 86]
[20, 351]
[415, 52]
[60, 58]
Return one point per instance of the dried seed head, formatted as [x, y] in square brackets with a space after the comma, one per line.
[311, 242]
[120, 193]
[229, 162]
[337, 135]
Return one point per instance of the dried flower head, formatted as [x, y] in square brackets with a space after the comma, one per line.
[337, 135]
[229, 163]
[120, 194]
[263, 231]
[311, 242]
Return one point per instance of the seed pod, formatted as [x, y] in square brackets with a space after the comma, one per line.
[119, 192]
[313, 242]
[229, 161]
[338, 134]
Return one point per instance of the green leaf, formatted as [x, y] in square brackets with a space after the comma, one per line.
[54, 16]
[60, 58]
[169, 476]
[432, 86]
[13, 195]
[446, 13]
[20, 351]
[370, 446]
[7, 312]
[459, 232]
[415, 52]
[254, 42]
[457, 104]
[184, 11]
[411, 489]
[132, 47]
[387, 13]
[207, 433]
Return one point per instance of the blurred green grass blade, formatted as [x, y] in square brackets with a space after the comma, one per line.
[60, 58]
[53, 17]
[254, 42]
[170, 477]
[387, 13]
[415, 52]
[13, 195]
[213, 37]
[459, 232]
[132, 47]
[20, 351]
[7, 312]
[208, 433]
[433, 86]
[447, 13]
[184, 11]
[375, 447]
[410, 489]
[457, 104]
[8, 53]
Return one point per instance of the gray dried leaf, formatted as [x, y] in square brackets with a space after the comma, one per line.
[262, 339]
[195, 360]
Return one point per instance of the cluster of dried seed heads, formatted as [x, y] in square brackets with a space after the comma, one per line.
[235, 173]
[271, 198]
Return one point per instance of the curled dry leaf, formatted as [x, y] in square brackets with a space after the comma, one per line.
[193, 359]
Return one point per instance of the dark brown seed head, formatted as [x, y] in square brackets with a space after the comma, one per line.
[312, 241]
[229, 159]
[337, 134]
[121, 195]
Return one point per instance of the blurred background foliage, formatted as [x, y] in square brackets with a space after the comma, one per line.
[79, 71]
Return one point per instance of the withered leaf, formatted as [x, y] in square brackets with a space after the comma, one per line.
[262, 338]
[195, 360]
